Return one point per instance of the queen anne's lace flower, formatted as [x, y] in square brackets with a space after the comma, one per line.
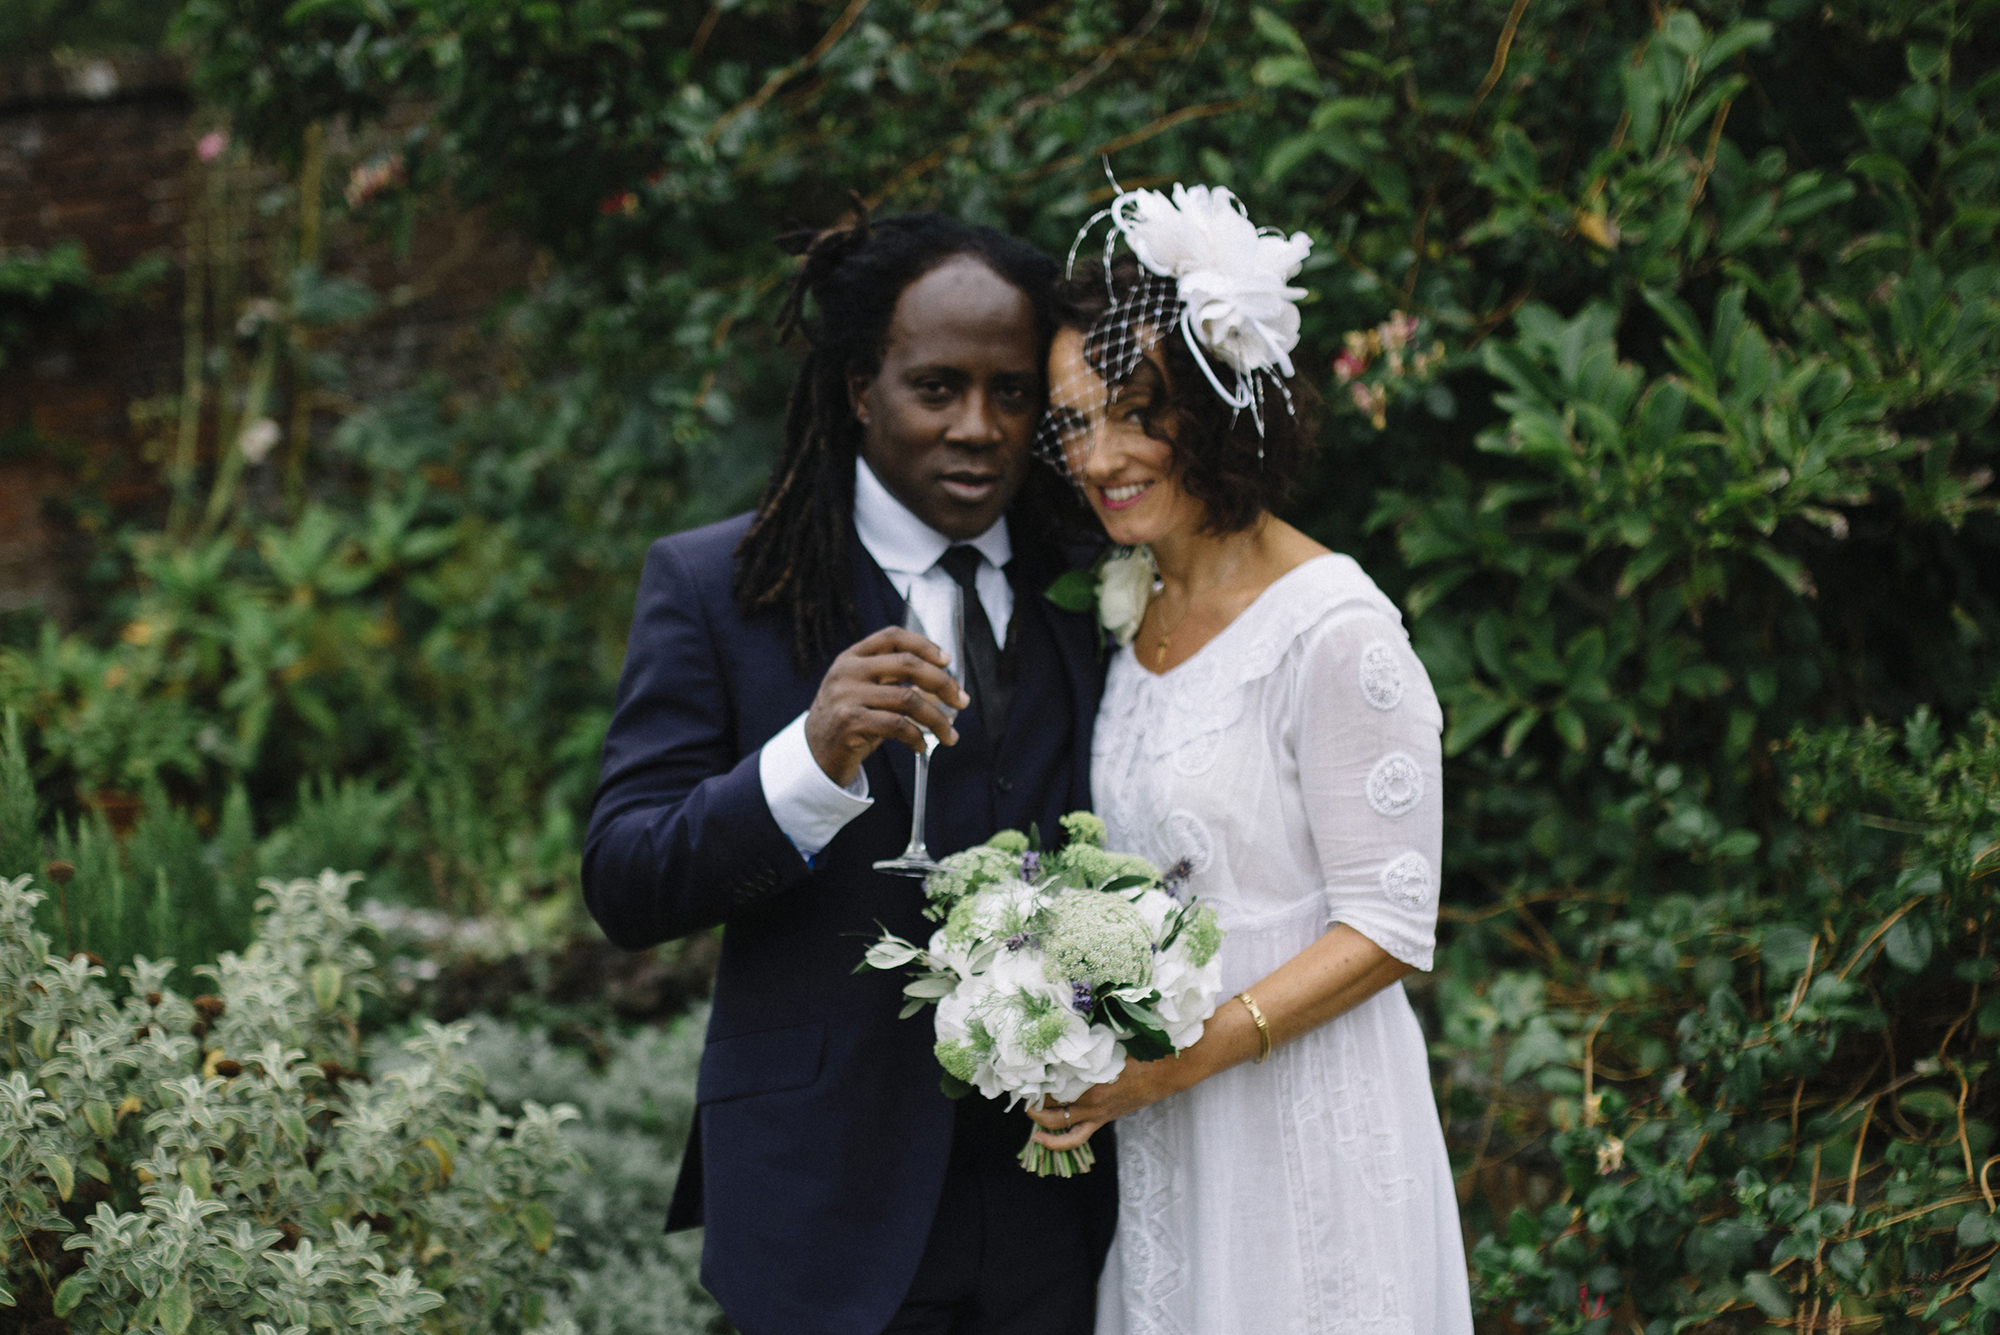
[1097, 939]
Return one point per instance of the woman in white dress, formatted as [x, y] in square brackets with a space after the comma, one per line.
[1267, 730]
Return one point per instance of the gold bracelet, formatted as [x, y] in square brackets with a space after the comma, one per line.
[1263, 1029]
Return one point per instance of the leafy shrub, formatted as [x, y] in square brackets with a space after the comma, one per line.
[635, 1107]
[44, 293]
[1701, 484]
[1768, 1100]
[221, 1163]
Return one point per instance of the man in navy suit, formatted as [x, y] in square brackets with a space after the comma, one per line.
[746, 782]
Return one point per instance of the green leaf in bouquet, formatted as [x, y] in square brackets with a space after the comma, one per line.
[1138, 1027]
[1148, 1045]
[891, 952]
[911, 1007]
[1133, 882]
[951, 1086]
[931, 986]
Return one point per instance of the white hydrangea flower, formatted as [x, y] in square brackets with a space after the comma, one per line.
[1027, 966]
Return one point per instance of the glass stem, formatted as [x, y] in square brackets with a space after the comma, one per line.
[919, 848]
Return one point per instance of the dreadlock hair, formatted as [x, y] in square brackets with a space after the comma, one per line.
[1236, 471]
[793, 558]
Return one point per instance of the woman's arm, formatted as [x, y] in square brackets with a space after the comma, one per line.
[1364, 726]
[1334, 974]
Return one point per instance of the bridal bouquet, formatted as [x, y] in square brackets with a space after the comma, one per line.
[1052, 968]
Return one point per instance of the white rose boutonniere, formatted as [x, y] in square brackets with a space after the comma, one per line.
[1117, 588]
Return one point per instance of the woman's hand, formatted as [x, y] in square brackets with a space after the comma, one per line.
[1337, 972]
[1139, 1085]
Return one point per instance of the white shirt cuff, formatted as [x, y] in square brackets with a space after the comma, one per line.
[808, 806]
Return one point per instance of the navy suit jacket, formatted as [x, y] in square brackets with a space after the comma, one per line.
[821, 1137]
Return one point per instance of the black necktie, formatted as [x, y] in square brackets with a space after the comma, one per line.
[982, 653]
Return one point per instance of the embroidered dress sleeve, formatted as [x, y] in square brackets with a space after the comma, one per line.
[1366, 726]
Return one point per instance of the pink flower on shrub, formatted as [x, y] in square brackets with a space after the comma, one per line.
[210, 146]
[623, 202]
[1396, 331]
[1372, 400]
[1593, 1306]
[371, 178]
[1347, 366]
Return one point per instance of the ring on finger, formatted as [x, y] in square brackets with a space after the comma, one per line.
[1065, 1117]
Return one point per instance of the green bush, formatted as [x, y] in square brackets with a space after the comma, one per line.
[222, 1163]
[635, 1106]
[1765, 1098]
[1694, 481]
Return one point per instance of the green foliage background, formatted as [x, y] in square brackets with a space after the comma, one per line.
[1693, 520]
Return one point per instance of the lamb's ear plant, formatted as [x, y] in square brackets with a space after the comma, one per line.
[223, 1163]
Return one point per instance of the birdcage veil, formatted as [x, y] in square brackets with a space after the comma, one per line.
[1206, 273]
[1135, 321]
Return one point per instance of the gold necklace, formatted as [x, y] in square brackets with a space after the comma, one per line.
[1159, 587]
[1166, 636]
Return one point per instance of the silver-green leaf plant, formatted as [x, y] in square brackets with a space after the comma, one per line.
[223, 1163]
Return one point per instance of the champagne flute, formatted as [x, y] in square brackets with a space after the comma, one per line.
[916, 860]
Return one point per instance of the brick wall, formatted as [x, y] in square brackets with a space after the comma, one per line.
[103, 152]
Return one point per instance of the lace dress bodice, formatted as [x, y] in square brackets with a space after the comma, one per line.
[1291, 768]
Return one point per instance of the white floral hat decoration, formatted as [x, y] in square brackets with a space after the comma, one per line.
[1209, 271]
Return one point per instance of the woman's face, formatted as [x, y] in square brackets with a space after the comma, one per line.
[948, 418]
[1128, 476]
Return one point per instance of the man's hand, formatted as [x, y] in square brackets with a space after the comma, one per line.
[878, 690]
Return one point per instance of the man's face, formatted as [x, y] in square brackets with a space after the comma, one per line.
[947, 421]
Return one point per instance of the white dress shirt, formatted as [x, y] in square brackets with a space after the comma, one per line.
[808, 805]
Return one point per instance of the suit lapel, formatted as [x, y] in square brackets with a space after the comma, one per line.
[1077, 638]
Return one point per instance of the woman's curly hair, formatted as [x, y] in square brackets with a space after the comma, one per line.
[1236, 473]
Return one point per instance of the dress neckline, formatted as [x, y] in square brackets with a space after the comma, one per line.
[1241, 617]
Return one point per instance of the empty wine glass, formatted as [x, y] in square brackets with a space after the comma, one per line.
[916, 860]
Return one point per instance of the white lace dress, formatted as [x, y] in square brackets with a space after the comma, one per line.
[1294, 762]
